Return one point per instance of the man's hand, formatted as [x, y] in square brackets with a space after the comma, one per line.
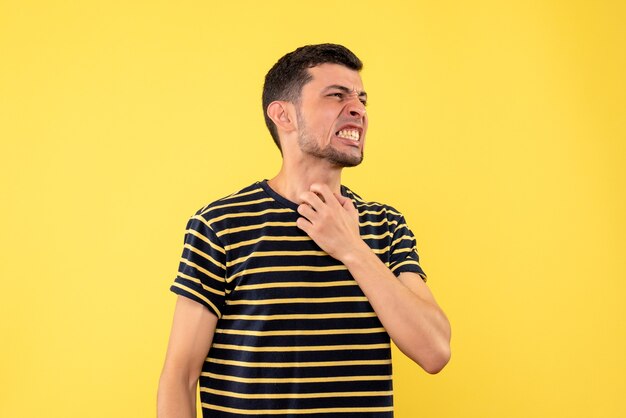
[331, 220]
[405, 306]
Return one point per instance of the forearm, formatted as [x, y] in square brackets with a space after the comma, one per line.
[416, 325]
[405, 306]
[192, 333]
[176, 397]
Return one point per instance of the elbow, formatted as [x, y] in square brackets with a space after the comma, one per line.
[437, 360]
[440, 351]
[437, 365]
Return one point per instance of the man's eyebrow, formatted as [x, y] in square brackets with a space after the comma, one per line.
[344, 89]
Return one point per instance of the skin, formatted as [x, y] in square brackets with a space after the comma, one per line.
[313, 159]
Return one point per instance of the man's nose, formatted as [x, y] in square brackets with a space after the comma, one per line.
[356, 108]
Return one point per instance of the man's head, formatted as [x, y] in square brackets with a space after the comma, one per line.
[285, 79]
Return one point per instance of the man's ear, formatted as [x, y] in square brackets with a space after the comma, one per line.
[283, 115]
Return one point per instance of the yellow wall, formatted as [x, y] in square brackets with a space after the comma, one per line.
[497, 128]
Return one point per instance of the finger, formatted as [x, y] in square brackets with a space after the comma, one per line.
[352, 210]
[304, 224]
[349, 205]
[312, 200]
[307, 211]
[345, 202]
[325, 191]
[342, 199]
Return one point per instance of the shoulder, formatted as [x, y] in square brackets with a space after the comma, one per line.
[248, 195]
[371, 209]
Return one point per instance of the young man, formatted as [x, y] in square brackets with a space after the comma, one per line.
[290, 289]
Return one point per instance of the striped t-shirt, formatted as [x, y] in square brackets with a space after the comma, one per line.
[296, 336]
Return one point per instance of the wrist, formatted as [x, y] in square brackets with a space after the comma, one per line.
[356, 254]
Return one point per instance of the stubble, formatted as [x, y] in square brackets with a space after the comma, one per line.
[310, 145]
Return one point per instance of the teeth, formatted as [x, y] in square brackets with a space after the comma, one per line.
[352, 134]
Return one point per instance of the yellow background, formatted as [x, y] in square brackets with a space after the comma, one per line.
[498, 129]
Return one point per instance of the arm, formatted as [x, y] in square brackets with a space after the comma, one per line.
[404, 305]
[190, 339]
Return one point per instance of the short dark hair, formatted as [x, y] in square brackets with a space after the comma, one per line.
[284, 81]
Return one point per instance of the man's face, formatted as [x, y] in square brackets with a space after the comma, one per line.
[331, 117]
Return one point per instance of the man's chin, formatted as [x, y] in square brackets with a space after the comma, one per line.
[345, 161]
[337, 158]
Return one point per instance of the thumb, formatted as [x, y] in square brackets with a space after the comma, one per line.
[341, 199]
[346, 203]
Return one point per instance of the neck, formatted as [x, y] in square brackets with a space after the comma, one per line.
[297, 177]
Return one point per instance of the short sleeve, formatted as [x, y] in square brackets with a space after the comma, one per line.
[202, 269]
[403, 252]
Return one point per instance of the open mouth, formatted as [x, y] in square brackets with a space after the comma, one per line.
[349, 133]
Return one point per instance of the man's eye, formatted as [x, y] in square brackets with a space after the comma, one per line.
[340, 95]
